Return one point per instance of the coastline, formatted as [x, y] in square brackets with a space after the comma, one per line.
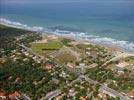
[111, 47]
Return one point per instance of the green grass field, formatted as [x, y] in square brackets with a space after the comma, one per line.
[83, 46]
[51, 45]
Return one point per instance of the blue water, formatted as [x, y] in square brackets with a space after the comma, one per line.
[111, 19]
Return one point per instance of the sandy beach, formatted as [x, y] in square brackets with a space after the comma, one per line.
[112, 48]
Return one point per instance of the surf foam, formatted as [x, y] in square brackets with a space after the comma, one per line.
[126, 45]
[19, 25]
[129, 46]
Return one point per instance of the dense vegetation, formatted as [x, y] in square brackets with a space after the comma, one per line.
[22, 73]
[16, 75]
[8, 39]
[11, 32]
[26, 72]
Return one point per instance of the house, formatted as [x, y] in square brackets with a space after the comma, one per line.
[74, 43]
[24, 97]
[72, 92]
[94, 54]
[88, 49]
[88, 53]
[13, 56]
[37, 59]
[63, 74]
[103, 96]
[41, 41]
[48, 65]
[10, 77]
[71, 65]
[82, 98]
[120, 67]
[35, 82]
[17, 79]
[81, 65]
[108, 92]
[2, 60]
[14, 96]
[52, 37]
[131, 94]
[2, 96]
[93, 65]
[122, 64]
[58, 98]
[25, 59]
[26, 53]
[54, 80]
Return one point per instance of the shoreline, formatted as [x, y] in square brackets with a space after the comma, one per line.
[111, 47]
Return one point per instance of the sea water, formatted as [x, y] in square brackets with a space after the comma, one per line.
[104, 22]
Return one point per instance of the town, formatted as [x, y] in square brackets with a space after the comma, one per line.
[35, 66]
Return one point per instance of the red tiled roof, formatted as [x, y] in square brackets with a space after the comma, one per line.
[2, 94]
[14, 94]
[131, 93]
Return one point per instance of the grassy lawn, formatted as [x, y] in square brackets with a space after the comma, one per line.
[52, 45]
[83, 46]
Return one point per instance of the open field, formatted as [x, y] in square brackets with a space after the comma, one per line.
[130, 59]
[52, 45]
[66, 55]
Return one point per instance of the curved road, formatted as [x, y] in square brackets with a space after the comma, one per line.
[122, 55]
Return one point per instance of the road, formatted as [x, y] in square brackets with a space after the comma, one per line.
[88, 79]
[51, 95]
[57, 92]
[119, 56]
[113, 93]
[32, 52]
[105, 89]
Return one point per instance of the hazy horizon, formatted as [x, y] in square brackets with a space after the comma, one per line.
[105, 18]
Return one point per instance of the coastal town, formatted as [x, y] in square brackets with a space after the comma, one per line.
[43, 66]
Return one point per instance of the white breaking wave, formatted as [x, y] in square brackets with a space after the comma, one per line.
[123, 44]
[129, 46]
[19, 25]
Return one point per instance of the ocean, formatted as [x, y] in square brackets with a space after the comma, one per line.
[108, 23]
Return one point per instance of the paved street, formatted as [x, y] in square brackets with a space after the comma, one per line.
[33, 53]
[103, 88]
[113, 93]
[119, 56]
[51, 95]
[106, 89]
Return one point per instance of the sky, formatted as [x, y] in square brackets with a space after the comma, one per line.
[65, 1]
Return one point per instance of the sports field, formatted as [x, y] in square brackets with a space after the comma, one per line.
[51, 45]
